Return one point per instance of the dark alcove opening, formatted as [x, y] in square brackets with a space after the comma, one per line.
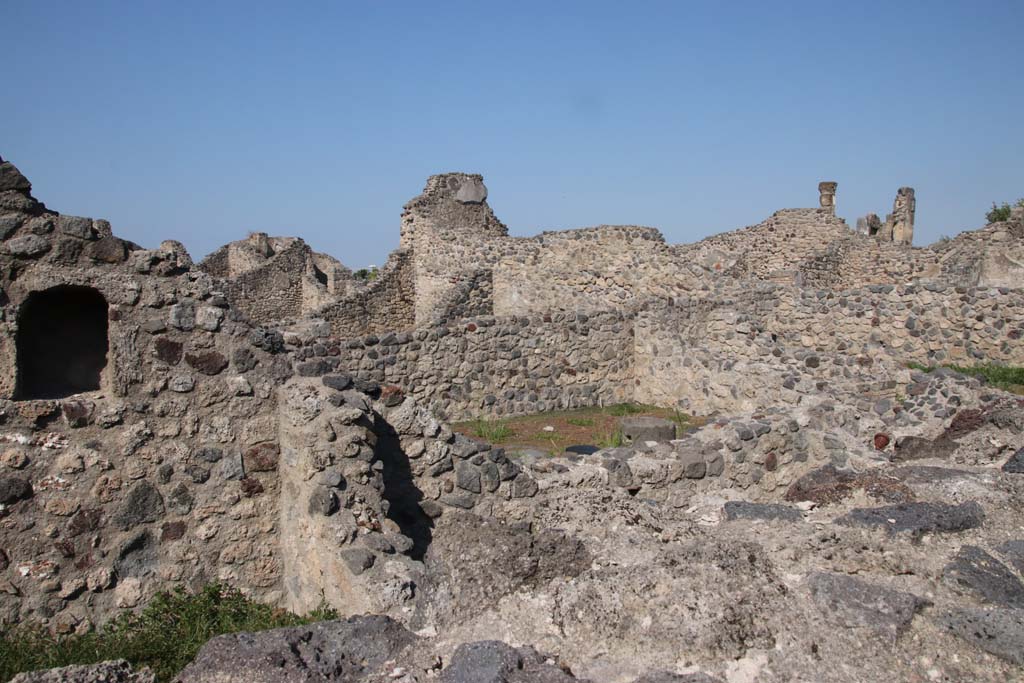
[61, 342]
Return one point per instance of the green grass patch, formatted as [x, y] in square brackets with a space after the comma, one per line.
[623, 409]
[589, 426]
[492, 431]
[1005, 377]
[165, 635]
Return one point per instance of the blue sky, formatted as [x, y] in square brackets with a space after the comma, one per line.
[201, 121]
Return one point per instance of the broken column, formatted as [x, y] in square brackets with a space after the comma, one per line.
[900, 223]
[827, 191]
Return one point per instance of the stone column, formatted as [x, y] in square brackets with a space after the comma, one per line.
[902, 218]
[827, 190]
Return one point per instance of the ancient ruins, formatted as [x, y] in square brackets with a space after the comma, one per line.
[266, 419]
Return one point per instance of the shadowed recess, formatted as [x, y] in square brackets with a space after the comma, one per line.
[61, 342]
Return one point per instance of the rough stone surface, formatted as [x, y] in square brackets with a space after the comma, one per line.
[357, 649]
[997, 631]
[641, 429]
[743, 510]
[978, 573]
[118, 671]
[854, 603]
[917, 518]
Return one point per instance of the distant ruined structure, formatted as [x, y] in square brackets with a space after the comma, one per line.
[899, 225]
[265, 419]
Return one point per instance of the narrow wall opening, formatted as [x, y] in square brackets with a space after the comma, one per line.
[61, 342]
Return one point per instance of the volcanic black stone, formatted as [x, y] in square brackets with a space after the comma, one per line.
[917, 518]
[996, 631]
[977, 572]
[13, 489]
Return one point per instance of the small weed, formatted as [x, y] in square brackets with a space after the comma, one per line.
[610, 440]
[165, 635]
[581, 421]
[492, 431]
[1001, 212]
[681, 419]
[1006, 377]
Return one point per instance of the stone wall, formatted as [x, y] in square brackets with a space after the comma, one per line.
[199, 456]
[730, 351]
[163, 475]
[277, 278]
[503, 365]
[385, 303]
[856, 260]
[589, 269]
[450, 231]
[771, 249]
[990, 257]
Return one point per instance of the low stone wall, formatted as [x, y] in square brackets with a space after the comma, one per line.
[930, 323]
[742, 349]
[504, 366]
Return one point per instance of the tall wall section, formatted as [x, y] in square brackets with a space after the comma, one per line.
[159, 474]
[452, 232]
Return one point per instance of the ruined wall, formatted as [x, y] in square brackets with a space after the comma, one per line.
[930, 323]
[724, 352]
[277, 278]
[200, 457]
[451, 231]
[385, 303]
[503, 366]
[771, 249]
[589, 269]
[856, 260]
[990, 257]
[456, 241]
[361, 483]
[720, 356]
[162, 476]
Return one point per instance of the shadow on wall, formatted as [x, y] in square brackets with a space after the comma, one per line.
[401, 493]
[61, 342]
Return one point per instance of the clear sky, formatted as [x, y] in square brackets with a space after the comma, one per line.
[201, 121]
